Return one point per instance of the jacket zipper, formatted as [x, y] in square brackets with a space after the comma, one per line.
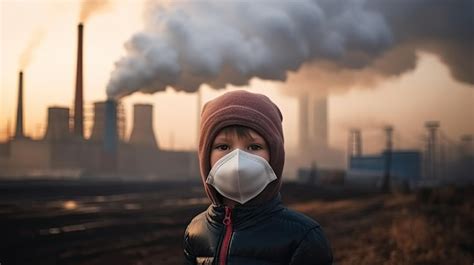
[227, 236]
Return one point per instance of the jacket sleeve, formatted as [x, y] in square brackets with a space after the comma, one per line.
[313, 249]
[189, 258]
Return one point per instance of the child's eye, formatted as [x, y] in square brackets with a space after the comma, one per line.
[222, 147]
[255, 147]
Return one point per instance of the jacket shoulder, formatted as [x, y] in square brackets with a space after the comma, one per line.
[313, 249]
[200, 239]
[298, 219]
[196, 226]
[313, 246]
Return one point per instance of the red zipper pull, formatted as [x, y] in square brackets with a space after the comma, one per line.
[228, 213]
[227, 236]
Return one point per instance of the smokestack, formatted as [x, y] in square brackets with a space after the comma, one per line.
[432, 127]
[388, 158]
[58, 124]
[320, 121]
[355, 143]
[78, 100]
[142, 132]
[303, 126]
[19, 111]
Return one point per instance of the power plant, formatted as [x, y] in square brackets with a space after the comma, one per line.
[65, 152]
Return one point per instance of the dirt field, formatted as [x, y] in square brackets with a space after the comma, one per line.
[82, 223]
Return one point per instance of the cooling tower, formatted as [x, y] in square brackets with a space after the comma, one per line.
[78, 100]
[19, 111]
[109, 158]
[142, 131]
[111, 133]
[99, 122]
[58, 124]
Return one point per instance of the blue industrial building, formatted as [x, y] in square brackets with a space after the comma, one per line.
[368, 171]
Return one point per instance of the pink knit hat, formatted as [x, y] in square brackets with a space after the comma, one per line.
[251, 110]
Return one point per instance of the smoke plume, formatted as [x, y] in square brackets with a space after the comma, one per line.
[27, 54]
[339, 43]
[88, 7]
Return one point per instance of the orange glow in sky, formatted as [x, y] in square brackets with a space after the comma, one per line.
[427, 93]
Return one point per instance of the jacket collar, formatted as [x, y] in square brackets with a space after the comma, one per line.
[243, 215]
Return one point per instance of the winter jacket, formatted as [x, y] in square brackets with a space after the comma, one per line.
[268, 234]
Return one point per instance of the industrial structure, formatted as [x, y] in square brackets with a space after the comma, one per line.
[313, 140]
[65, 152]
[19, 111]
[408, 169]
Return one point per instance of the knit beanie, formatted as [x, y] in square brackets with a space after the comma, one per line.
[251, 110]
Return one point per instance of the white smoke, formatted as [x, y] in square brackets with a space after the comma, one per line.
[189, 43]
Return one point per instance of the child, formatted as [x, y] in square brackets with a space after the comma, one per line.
[241, 158]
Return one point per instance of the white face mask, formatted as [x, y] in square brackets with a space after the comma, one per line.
[240, 176]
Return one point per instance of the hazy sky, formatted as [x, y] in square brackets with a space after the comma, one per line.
[50, 28]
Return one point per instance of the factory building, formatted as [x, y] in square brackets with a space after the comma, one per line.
[368, 171]
[104, 154]
[394, 169]
[65, 152]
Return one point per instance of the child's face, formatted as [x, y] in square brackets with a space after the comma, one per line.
[225, 143]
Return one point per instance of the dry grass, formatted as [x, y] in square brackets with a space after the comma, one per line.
[429, 227]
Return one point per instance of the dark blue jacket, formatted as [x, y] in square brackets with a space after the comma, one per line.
[263, 235]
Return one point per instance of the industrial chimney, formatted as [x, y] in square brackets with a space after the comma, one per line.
[142, 131]
[355, 143]
[431, 148]
[19, 111]
[58, 124]
[320, 123]
[303, 120]
[78, 100]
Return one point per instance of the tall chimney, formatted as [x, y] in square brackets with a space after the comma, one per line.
[78, 100]
[355, 143]
[431, 151]
[303, 120]
[320, 123]
[19, 111]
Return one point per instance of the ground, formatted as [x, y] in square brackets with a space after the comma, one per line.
[70, 222]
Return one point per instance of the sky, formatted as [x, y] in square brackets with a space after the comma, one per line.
[406, 101]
